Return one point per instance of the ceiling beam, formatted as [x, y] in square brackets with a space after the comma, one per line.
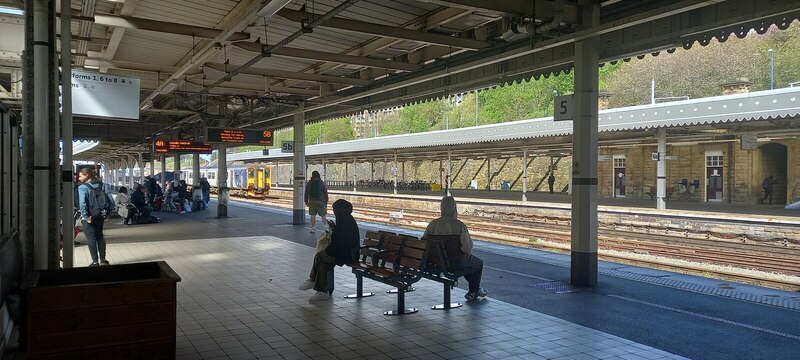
[330, 57]
[116, 35]
[260, 88]
[133, 66]
[541, 9]
[295, 75]
[129, 22]
[363, 27]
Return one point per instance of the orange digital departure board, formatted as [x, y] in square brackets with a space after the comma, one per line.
[238, 136]
[180, 147]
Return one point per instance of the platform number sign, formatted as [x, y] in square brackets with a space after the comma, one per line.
[563, 108]
[287, 147]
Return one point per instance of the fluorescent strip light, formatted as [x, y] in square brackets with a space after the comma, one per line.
[11, 11]
[272, 7]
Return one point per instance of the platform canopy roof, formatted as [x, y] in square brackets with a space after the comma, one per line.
[249, 63]
[767, 114]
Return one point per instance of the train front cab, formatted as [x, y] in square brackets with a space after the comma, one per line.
[258, 181]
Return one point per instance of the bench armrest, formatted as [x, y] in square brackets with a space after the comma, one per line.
[377, 254]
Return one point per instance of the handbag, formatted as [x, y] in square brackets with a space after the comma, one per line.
[323, 241]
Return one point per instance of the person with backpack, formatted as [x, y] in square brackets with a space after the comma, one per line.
[94, 205]
[316, 198]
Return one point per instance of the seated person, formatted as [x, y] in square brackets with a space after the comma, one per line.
[343, 249]
[121, 203]
[448, 224]
[138, 199]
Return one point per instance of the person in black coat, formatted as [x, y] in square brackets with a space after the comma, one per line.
[138, 200]
[345, 240]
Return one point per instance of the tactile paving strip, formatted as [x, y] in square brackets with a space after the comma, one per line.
[557, 287]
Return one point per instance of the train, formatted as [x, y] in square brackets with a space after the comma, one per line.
[252, 181]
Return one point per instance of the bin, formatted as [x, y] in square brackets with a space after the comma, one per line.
[108, 312]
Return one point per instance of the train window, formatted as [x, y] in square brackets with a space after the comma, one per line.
[251, 173]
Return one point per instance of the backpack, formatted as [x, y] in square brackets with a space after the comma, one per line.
[97, 202]
[315, 189]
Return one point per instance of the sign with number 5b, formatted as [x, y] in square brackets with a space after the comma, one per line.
[563, 108]
[287, 146]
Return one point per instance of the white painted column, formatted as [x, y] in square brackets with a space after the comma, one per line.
[583, 267]
[354, 174]
[524, 174]
[394, 170]
[130, 173]
[449, 176]
[141, 169]
[222, 181]
[661, 169]
[299, 157]
[324, 170]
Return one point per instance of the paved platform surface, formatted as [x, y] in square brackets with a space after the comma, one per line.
[239, 300]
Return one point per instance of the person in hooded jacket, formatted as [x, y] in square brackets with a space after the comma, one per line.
[343, 249]
[448, 224]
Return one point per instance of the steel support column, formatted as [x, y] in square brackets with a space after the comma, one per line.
[524, 174]
[141, 169]
[42, 96]
[661, 169]
[354, 175]
[299, 157]
[152, 165]
[130, 174]
[67, 189]
[449, 178]
[197, 197]
[163, 161]
[177, 169]
[584, 162]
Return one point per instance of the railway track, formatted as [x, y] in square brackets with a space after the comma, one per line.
[729, 260]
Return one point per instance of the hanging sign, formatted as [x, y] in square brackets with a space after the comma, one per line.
[238, 136]
[161, 146]
[563, 108]
[104, 96]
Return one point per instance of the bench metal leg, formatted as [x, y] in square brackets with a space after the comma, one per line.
[447, 304]
[401, 305]
[394, 290]
[359, 290]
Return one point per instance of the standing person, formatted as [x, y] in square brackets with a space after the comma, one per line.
[447, 185]
[121, 202]
[767, 185]
[152, 189]
[316, 198]
[206, 189]
[448, 224]
[94, 204]
[551, 181]
[343, 249]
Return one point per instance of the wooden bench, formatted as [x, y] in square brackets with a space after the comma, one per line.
[654, 192]
[443, 251]
[395, 260]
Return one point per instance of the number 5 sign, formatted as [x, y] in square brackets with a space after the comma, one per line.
[287, 147]
[563, 108]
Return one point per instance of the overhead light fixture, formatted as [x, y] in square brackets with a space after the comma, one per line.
[272, 7]
[7, 10]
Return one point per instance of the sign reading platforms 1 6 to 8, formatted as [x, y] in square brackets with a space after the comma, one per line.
[238, 136]
[105, 96]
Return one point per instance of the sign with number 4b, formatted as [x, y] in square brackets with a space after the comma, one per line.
[563, 108]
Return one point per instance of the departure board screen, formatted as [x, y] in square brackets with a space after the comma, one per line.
[238, 136]
[180, 147]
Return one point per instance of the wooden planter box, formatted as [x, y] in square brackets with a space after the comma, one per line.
[109, 312]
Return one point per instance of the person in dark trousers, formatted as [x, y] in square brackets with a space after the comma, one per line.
[316, 198]
[767, 185]
[152, 189]
[205, 187]
[551, 181]
[90, 196]
[448, 224]
[138, 200]
[343, 249]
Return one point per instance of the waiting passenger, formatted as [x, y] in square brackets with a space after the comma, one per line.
[94, 205]
[343, 249]
[551, 180]
[768, 184]
[121, 202]
[316, 198]
[139, 200]
[205, 187]
[448, 224]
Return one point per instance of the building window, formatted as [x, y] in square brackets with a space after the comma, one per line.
[714, 160]
[619, 162]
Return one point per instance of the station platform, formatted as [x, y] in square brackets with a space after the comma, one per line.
[238, 299]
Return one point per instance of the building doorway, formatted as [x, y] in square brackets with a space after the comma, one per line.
[619, 176]
[714, 185]
[773, 163]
